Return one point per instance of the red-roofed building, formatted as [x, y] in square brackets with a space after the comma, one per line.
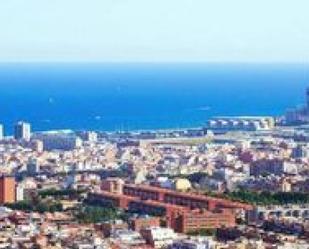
[183, 199]
[182, 211]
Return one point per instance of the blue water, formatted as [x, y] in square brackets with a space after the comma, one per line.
[144, 96]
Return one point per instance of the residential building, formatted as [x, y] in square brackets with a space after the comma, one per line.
[7, 189]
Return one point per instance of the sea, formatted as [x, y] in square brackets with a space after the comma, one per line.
[144, 96]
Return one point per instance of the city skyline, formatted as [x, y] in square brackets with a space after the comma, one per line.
[133, 124]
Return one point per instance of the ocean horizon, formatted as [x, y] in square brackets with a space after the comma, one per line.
[137, 96]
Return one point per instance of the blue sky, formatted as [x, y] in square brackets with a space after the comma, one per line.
[155, 30]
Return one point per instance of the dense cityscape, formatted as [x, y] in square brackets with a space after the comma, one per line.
[238, 182]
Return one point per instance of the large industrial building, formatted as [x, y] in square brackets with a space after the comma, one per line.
[241, 123]
[59, 140]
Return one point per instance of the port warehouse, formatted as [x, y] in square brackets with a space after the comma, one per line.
[247, 123]
[182, 212]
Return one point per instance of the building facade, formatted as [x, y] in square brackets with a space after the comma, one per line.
[1, 132]
[182, 212]
[22, 131]
[7, 189]
[225, 124]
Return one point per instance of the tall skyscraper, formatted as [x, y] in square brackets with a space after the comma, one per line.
[7, 189]
[1, 132]
[22, 131]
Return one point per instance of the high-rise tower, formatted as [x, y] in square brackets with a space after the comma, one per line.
[1, 132]
[22, 131]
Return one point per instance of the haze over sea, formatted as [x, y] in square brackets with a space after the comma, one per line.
[144, 96]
